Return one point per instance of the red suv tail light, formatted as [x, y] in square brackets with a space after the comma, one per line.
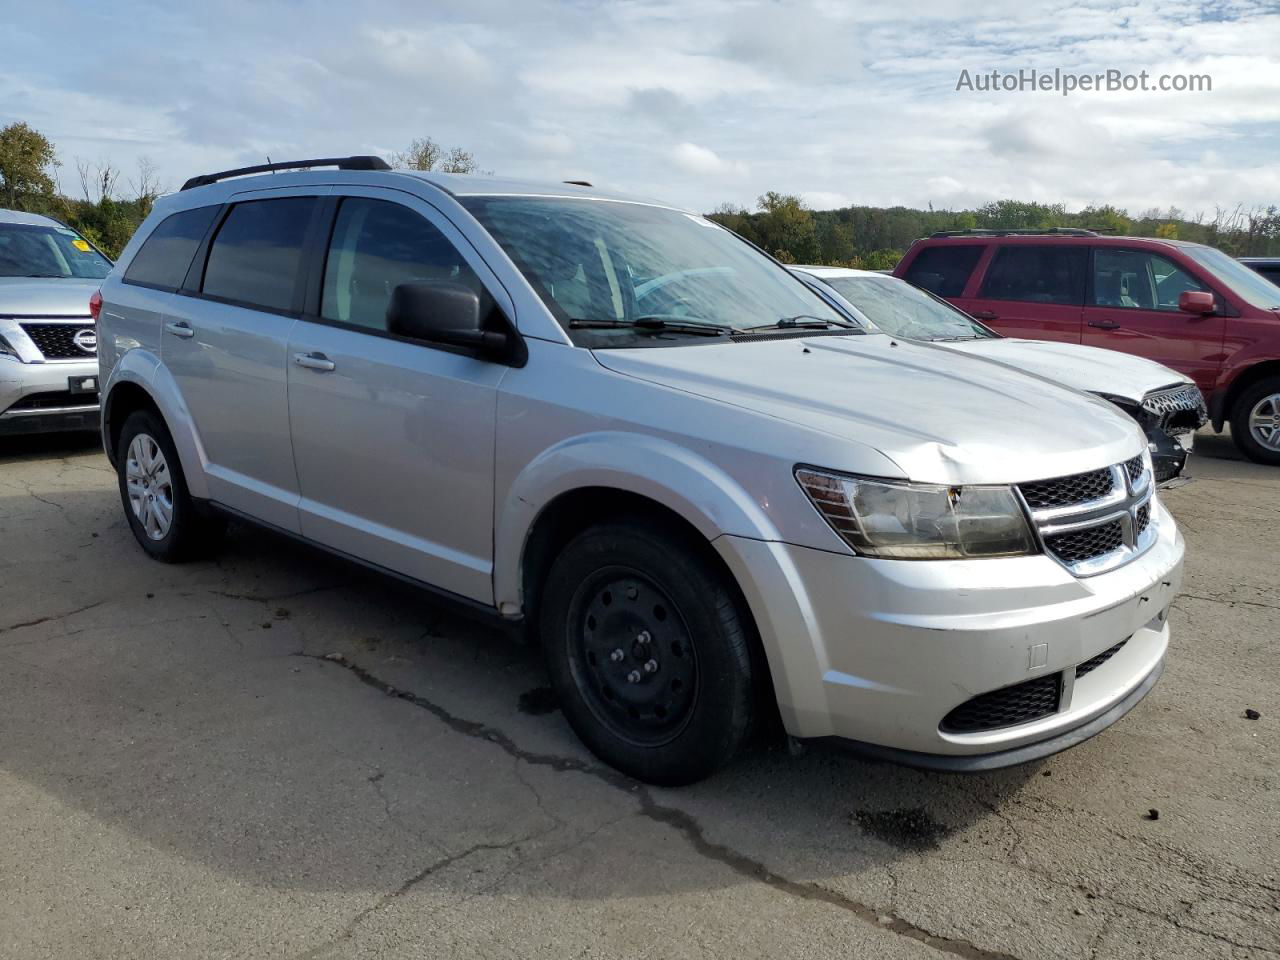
[95, 305]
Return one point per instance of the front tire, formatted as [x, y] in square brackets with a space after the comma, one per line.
[167, 524]
[1255, 422]
[648, 651]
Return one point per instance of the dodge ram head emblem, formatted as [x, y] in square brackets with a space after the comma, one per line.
[86, 340]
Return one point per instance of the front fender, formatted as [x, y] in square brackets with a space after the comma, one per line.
[674, 476]
[143, 369]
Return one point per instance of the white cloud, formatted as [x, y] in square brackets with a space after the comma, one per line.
[695, 101]
[695, 159]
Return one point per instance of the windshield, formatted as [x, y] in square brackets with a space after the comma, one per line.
[629, 274]
[900, 309]
[1253, 287]
[31, 250]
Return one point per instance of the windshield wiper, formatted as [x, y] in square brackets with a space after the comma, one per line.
[45, 276]
[656, 324]
[801, 321]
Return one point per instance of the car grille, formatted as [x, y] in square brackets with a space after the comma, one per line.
[1081, 545]
[56, 341]
[1065, 491]
[1093, 522]
[1143, 518]
[1093, 663]
[1020, 703]
[1177, 409]
[1133, 467]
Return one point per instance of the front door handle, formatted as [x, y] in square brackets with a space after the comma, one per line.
[180, 328]
[1104, 324]
[984, 315]
[314, 361]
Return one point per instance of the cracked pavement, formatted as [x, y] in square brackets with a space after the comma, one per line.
[273, 754]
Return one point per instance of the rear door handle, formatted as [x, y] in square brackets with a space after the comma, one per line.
[180, 328]
[314, 361]
[1104, 324]
[983, 315]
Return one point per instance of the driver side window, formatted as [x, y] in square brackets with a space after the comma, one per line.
[377, 245]
[1138, 280]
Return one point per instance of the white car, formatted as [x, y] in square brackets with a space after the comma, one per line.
[704, 490]
[1167, 404]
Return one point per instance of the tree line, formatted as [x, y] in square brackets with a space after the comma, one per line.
[111, 203]
[874, 238]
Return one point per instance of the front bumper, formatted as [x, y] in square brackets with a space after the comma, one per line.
[879, 652]
[35, 397]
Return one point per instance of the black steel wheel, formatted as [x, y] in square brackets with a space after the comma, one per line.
[648, 651]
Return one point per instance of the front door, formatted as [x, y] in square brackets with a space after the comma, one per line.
[393, 439]
[1133, 307]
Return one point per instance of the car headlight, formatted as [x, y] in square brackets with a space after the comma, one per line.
[901, 520]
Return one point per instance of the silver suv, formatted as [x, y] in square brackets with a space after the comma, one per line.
[48, 344]
[704, 490]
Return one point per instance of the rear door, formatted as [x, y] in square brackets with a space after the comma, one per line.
[1133, 307]
[225, 343]
[1032, 290]
[394, 438]
[944, 269]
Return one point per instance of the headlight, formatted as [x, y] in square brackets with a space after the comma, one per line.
[918, 521]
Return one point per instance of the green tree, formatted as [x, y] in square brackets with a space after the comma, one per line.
[27, 160]
[786, 224]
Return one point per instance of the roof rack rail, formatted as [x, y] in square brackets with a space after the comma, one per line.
[1044, 231]
[342, 163]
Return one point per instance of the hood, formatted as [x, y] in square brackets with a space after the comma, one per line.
[1091, 369]
[940, 416]
[41, 297]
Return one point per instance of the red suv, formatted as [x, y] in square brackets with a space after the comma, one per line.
[1188, 306]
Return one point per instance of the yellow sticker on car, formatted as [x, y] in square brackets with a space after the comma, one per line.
[81, 245]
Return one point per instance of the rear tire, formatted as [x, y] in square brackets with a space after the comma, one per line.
[648, 651]
[1255, 422]
[164, 519]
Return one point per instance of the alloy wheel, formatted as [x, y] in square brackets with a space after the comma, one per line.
[1264, 422]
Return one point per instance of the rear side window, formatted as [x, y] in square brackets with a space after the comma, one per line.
[376, 246]
[944, 270]
[1050, 274]
[256, 255]
[166, 254]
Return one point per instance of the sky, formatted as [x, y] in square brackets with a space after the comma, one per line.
[698, 102]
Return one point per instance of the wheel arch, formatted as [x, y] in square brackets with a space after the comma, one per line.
[1223, 410]
[140, 381]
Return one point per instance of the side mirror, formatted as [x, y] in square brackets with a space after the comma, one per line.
[441, 312]
[1196, 301]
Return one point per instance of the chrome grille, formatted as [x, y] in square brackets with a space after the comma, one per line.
[1096, 521]
[1064, 491]
[1178, 409]
[1081, 545]
[1133, 467]
[57, 340]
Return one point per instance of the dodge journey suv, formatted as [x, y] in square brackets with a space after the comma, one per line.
[704, 490]
[1188, 306]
